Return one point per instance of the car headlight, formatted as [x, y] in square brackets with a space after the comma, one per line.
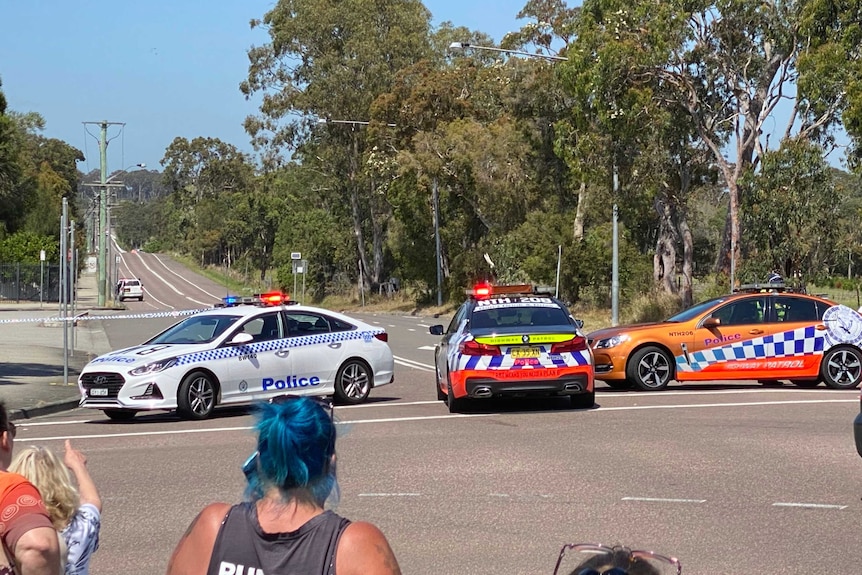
[612, 341]
[154, 367]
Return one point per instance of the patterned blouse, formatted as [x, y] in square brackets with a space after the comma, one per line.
[82, 539]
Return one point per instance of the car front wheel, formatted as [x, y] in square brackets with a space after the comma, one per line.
[197, 396]
[842, 368]
[353, 382]
[649, 369]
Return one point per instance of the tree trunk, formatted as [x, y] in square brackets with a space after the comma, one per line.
[580, 211]
[664, 261]
[687, 259]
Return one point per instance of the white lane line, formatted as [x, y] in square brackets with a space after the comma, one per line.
[663, 500]
[740, 404]
[410, 329]
[412, 364]
[390, 494]
[423, 325]
[247, 428]
[810, 505]
[426, 347]
[155, 273]
[215, 297]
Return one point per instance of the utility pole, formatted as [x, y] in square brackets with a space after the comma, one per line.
[103, 208]
[437, 253]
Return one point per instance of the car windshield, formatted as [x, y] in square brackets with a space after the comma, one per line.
[695, 310]
[196, 329]
[519, 317]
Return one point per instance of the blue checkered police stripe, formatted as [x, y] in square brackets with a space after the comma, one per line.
[276, 344]
[77, 318]
[802, 341]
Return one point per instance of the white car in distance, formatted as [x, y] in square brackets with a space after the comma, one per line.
[244, 350]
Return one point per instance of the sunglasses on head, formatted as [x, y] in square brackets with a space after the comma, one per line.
[323, 401]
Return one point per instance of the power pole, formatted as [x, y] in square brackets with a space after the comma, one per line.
[103, 209]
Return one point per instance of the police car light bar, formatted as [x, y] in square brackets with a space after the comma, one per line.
[480, 291]
[265, 299]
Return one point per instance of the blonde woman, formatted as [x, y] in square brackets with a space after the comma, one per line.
[76, 513]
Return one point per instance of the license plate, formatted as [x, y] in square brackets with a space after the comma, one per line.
[99, 391]
[521, 352]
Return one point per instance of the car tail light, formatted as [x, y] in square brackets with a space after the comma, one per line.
[577, 343]
[473, 347]
[383, 336]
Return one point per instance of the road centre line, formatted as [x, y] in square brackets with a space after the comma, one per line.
[663, 500]
[155, 273]
[390, 494]
[811, 505]
[158, 259]
[794, 390]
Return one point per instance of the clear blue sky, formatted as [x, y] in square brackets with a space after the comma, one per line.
[165, 68]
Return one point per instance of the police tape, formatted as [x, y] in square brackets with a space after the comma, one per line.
[86, 317]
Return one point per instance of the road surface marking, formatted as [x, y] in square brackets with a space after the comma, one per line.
[810, 505]
[663, 500]
[427, 347]
[413, 364]
[390, 494]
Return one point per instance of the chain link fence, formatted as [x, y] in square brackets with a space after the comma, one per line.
[29, 282]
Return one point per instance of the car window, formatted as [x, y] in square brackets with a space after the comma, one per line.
[306, 323]
[742, 312]
[196, 329]
[263, 328]
[457, 319]
[336, 324]
[792, 309]
[695, 310]
[518, 316]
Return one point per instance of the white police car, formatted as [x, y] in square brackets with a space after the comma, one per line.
[244, 350]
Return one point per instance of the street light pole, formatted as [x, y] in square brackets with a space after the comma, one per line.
[104, 184]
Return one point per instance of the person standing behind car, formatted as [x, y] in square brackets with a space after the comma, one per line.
[75, 513]
[283, 527]
[26, 532]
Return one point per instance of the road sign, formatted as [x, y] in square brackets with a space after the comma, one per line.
[296, 255]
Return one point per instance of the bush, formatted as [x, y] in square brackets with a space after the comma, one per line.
[655, 305]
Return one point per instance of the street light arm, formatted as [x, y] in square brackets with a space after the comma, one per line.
[350, 122]
[125, 171]
[469, 46]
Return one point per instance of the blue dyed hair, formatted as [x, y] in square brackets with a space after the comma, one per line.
[296, 449]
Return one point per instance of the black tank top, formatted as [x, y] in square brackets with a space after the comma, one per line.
[242, 547]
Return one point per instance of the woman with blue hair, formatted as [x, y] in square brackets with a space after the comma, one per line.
[282, 526]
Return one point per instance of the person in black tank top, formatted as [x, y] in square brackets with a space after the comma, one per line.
[282, 527]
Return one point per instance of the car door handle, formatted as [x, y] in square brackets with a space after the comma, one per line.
[755, 331]
[335, 344]
[282, 353]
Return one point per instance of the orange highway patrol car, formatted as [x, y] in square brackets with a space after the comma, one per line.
[512, 341]
[765, 332]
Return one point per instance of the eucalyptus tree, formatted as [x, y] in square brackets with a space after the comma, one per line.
[792, 213]
[733, 66]
[205, 176]
[330, 61]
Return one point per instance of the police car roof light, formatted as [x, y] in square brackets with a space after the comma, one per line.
[764, 287]
[483, 290]
[272, 298]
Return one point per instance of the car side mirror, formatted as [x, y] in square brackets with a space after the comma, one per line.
[436, 330]
[579, 322]
[711, 322]
[241, 338]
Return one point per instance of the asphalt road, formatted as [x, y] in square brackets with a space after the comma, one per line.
[732, 478]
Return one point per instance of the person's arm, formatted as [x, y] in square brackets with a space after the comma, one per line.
[364, 550]
[37, 552]
[77, 463]
[193, 552]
